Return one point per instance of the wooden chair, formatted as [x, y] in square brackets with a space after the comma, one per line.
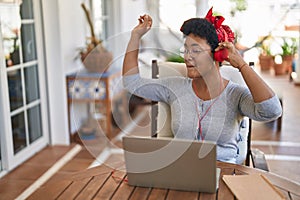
[161, 121]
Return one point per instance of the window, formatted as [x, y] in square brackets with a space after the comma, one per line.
[99, 17]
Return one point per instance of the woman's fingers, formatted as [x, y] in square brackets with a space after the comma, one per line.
[221, 46]
[140, 21]
[227, 45]
[145, 23]
[149, 21]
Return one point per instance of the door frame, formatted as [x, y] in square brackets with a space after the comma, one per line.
[9, 159]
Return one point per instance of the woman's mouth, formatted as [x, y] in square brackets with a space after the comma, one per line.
[190, 66]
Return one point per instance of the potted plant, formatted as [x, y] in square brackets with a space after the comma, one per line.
[94, 56]
[289, 48]
[175, 58]
[284, 59]
[11, 47]
[266, 59]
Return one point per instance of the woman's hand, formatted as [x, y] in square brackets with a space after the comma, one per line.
[145, 23]
[259, 89]
[234, 57]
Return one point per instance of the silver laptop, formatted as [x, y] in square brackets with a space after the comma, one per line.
[171, 164]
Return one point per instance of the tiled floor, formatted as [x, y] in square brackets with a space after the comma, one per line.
[286, 164]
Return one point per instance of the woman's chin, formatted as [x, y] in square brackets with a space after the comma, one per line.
[193, 73]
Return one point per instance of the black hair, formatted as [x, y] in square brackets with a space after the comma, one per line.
[202, 28]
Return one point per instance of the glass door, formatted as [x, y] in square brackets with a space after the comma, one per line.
[22, 82]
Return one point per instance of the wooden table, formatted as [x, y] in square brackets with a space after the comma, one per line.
[104, 183]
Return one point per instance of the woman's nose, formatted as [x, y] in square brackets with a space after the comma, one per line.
[188, 56]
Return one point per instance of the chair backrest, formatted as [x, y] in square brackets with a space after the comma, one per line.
[161, 114]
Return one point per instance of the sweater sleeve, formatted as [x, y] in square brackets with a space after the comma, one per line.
[153, 89]
[266, 110]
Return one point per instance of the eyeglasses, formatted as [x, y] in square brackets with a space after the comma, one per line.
[193, 52]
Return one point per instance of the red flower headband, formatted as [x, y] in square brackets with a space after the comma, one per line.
[223, 31]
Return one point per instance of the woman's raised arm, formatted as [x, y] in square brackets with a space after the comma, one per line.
[130, 63]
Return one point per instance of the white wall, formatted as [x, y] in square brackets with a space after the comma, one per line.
[64, 31]
[73, 29]
[55, 72]
[73, 33]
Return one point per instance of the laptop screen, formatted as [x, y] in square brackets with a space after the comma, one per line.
[170, 163]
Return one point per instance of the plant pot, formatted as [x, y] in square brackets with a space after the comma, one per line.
[288, 62]
[97, 60]
[279, 69]
[266, 62]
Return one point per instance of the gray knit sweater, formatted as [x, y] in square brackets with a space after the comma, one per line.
[220, 124]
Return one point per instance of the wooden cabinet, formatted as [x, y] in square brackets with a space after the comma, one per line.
[99, 89]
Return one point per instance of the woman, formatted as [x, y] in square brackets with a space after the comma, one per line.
[204, 106]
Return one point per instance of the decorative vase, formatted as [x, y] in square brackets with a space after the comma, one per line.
[97, 60]
[266, 62]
